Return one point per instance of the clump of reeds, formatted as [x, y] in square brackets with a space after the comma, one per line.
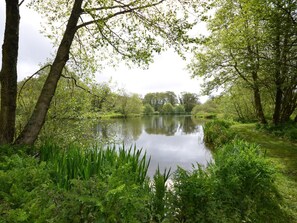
[81, 163]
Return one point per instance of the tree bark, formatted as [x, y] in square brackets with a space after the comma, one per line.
[278, 78]
[258, 105]
[257, 98]
[30, 133]
[8, 73]
[277, 105]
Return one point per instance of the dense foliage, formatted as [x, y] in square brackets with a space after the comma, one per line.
[90, 185]
[250, 54]
[218, 132]
[237, 187]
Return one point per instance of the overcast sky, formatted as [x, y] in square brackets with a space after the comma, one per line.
[167, 73]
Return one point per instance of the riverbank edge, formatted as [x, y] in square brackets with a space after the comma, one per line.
[283, 154]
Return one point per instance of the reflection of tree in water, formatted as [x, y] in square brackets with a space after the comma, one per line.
[169, 125]
[161, 125]
[104, 132]
[188, 125]
[129, 130]
[119, 130]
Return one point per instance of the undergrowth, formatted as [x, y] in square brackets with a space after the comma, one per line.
[106, 184]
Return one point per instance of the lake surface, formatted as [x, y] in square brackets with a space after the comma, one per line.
[171, 141]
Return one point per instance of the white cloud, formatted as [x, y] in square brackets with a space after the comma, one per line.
[167, 73]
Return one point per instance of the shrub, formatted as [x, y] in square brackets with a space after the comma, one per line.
[21, 176]
[237, 187]
[167, 109]
[218, 132]
[179, 109]
[148, 109]
[244, 182]
[291, 134]
[191, 199]
[109, 185]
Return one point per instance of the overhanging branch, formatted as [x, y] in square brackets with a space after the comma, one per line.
[26, 81]
[129, 10]
[79, 86]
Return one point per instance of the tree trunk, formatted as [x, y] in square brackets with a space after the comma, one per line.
[37, 119]
[277, 105]
[257, 98]
[277, 78]
[258, 105]
[8, 73]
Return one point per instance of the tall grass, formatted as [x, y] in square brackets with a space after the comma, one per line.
[80, 163]
[159, 200]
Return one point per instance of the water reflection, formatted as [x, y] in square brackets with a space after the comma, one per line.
[171, 141]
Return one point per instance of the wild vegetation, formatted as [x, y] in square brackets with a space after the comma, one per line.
[248, 58]
[250, 53]
[110, 185]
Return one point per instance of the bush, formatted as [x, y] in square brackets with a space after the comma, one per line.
[218, 132]
[179, 109]
[237, 187]
[209, 109]
[244, 182]
[204, 115]
[21, 177]
[167, 109]
[291, 134]
[148, 109]
[191, 199]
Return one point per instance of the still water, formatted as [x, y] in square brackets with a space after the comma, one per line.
[170, 141]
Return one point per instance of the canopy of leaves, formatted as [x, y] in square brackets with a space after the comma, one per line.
[109, 30]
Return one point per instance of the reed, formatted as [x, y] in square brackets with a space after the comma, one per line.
[80, 163]
[159, 197]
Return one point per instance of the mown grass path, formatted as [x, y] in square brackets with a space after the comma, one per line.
[283, 154]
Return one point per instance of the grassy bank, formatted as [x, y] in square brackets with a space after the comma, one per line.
[106, 184]
[284, 155]
[99, 184]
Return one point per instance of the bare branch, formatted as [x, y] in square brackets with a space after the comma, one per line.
[37, 72]
[115, 34]
[121, 5]
[21, 3]
[79, 86]
[111, 43]
[129, 10]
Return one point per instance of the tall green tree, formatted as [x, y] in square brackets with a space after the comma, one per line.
[130, 30]
[252, 42]
[167, 109]
[231, 52]
[282, 30]
[158, 99]
[188, 100]
[129, 104]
